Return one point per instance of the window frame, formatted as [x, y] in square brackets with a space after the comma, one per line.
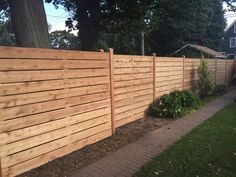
[230, 42]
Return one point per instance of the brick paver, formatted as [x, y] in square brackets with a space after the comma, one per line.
[130, 159]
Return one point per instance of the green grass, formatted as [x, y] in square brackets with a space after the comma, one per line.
[208, 151]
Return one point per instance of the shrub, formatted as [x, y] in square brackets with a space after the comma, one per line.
[173, 105]
[206, 85]
[219, 89]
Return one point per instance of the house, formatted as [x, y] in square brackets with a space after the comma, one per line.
[230, 41]
[197, 51]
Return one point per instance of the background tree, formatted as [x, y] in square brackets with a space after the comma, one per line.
[29, 22]
[120, 22]
[7, 37]
[231, 4]
[118, 19]
[87, 14]
[123, 21]
[177, 23]
[64, 40]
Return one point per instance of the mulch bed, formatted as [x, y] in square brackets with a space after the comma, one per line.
[67, 165]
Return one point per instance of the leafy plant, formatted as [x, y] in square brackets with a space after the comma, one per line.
[174, 104]
[219, 89]
[206, 85]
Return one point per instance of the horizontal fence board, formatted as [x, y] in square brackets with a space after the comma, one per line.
[127, 115]
[9, 125]
[130, 95]
[25, 110]
[17, 100]
[22, 64]
[132, 70]
[53, 102]
[102, 111]
[129, 101]
[26, 76]
[126, 83]
[40, 160]
[18, 146]
[38, 86]
[132, 106]
[29, 53]
[27, 132]
[134, 76]
[132, 88]
[129, 119]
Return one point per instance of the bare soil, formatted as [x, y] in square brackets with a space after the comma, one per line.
[67, 165]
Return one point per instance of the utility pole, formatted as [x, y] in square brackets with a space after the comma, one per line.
[142, 44]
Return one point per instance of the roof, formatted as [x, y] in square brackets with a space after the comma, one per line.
[204, 50]
[230, 25]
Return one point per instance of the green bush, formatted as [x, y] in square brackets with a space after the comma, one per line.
[174, 104]
[206, 85]
[219, 89]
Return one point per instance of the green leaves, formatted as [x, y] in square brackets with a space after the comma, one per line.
[177, 23]
[206, 85]
[174, 105]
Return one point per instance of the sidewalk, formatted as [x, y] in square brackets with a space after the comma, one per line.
[130, 159]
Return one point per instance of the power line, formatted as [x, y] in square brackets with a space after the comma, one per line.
[54, 16]
[58, 22]
[230, 15]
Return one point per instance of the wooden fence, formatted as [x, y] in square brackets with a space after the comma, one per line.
[54, 102]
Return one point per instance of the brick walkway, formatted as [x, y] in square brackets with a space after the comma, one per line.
[129, 160]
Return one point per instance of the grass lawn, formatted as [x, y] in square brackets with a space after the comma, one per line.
[208, 151]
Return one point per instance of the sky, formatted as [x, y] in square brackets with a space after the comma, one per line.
[57, 17]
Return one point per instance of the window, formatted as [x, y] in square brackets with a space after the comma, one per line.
[235, 28]
[232, 42]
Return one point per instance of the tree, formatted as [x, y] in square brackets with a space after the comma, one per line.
[64, 40]
[29, 22]
[30, 28]
[7, 37]
[177, 23]
[113, 19]
[231, 4]
[215, 31]
[123, 21]
[87, 14]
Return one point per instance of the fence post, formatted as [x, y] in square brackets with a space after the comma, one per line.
[183, 81]
[215, 71]
[1, 175]
[111, 67]
[226, 72]
[234, 67]
[154, 76]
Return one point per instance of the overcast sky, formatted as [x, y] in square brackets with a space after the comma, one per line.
[57, 17]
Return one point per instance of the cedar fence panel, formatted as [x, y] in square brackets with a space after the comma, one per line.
[229, 71]
[168, 74]
[53, 102]
[220, 72]
[133, 83]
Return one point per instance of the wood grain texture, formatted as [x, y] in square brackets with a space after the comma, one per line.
[53, 102]
[112, 91]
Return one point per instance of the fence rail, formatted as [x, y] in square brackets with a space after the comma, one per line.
[53, 102]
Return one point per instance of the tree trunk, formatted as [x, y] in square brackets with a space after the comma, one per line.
[29, 23]
[88, 23]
